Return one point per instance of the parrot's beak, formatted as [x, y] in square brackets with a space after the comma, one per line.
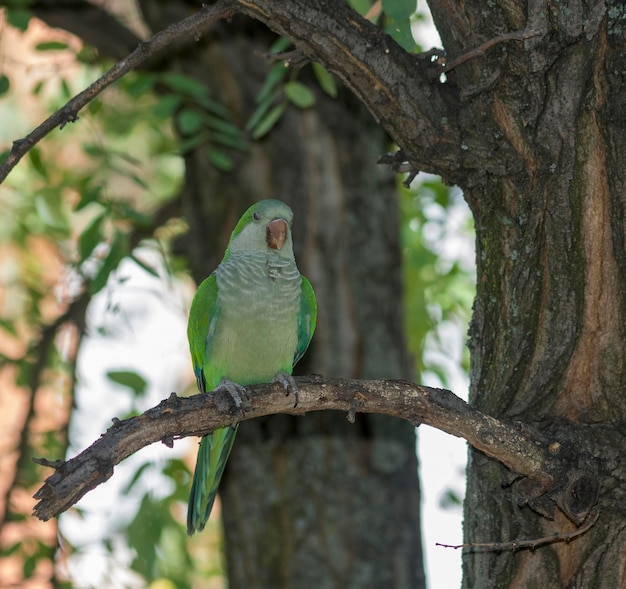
[276, 233]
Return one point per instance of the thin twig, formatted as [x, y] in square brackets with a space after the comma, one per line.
[191, 25]
[480, 50]
[530, 544]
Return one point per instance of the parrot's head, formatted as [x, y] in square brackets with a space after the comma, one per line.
[265, 226]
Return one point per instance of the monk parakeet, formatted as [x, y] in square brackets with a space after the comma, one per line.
[251, 320]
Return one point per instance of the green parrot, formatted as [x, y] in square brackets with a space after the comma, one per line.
[251, 320]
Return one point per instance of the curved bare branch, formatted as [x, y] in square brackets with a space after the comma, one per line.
[176, 417]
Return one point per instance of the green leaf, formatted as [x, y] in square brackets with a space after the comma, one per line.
[88, 195]
[124, 211]
[5, 84]
[29, 566]
[66, 91]
[280, 45]
[190, 121]
[186, 145]
[19, 18]
[51, 46]
[88, 55]
[139, 84]
[267, 123]
[149, 269]
[166, 106]
[399, 10]
[224, 126]
[222, 161]
[95, 150]
[185, 85]
[225, 133]
[299, 95]
[129, 379]
[326, 80]
[214, 107]
[133, 481]
[228, 140]
[260, 112]
[139, 181]
[117, 251]
[49, 206]
[34, 155]
[38, 87]
[450, 499]
[402, 34]
[12, 549]
[90, 237]
[8, 326]
[274, 77]
[361, 6]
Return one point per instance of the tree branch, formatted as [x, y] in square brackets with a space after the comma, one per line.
[397, 87]
[192, 25]
[520, 450]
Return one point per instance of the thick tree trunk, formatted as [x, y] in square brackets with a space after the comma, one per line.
[315, 501]
[548, 333]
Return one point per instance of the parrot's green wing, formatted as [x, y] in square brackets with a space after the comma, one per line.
[215, 447]
[202, 320]
[307, 318]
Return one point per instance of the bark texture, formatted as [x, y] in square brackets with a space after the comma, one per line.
[547, 337]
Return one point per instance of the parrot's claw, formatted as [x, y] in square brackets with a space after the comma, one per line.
[289, 384]
[237, 394]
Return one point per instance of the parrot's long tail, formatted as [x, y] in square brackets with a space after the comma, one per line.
[212, 456]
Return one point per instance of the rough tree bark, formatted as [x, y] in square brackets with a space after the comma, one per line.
[547, 337]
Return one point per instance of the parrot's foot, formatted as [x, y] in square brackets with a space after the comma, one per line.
[289, 384]
[237, 394]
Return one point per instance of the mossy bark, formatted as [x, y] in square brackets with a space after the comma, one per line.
[549, 326]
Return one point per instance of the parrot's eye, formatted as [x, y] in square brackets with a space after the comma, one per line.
[256, 216]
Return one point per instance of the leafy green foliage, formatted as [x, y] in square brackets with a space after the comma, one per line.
[439, 285]
[200, 119]
[282, 88]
